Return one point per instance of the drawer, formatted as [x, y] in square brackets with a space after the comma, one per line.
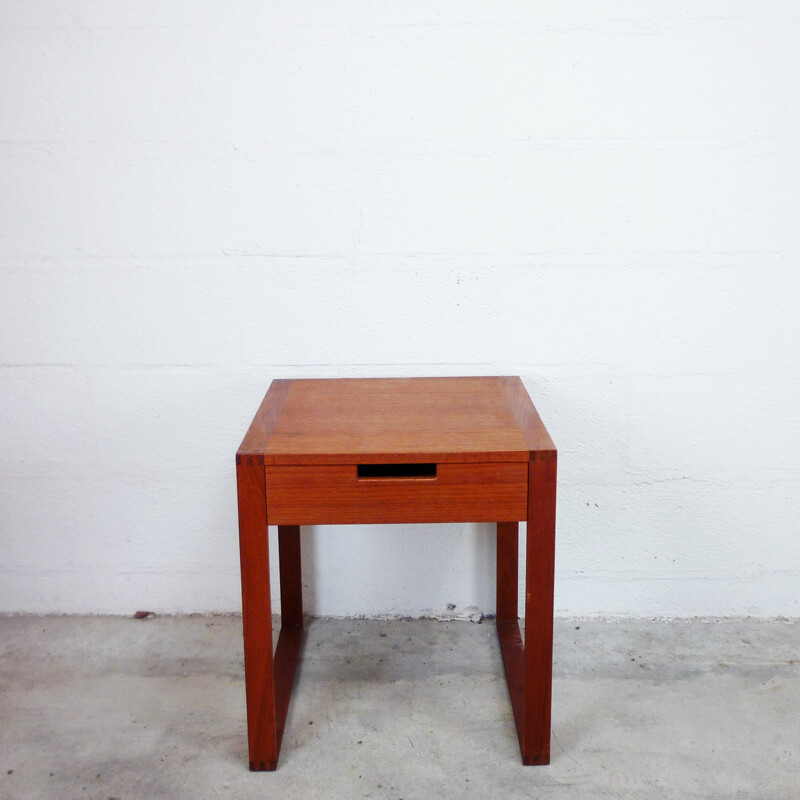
[385, 493]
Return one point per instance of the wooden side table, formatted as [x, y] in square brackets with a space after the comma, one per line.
[327, 452]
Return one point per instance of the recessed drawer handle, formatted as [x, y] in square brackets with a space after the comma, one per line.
[396, 470]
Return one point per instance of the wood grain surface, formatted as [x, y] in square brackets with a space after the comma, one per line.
[373, 420]
[330, 495]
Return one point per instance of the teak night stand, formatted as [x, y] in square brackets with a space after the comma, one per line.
[360, 451]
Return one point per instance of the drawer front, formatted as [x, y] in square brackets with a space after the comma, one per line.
[347, 494]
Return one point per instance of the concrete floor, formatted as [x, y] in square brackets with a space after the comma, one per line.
[121, 708]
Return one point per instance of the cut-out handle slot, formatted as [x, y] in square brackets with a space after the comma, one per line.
[396, 470]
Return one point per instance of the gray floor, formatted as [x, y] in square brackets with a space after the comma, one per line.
[121, 708]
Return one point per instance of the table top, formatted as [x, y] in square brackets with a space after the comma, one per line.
[393, 420]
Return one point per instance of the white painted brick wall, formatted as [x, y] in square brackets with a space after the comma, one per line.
[198, 197]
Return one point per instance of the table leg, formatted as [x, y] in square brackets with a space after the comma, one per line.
[508, 630]
[529, 666]
[539, 571]
[263, 740]
[290, 640]
[291, 575]
[507, 572]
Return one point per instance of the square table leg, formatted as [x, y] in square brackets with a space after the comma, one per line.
[529, 666]
[291, 576]
[268, 677]
[257, 615]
